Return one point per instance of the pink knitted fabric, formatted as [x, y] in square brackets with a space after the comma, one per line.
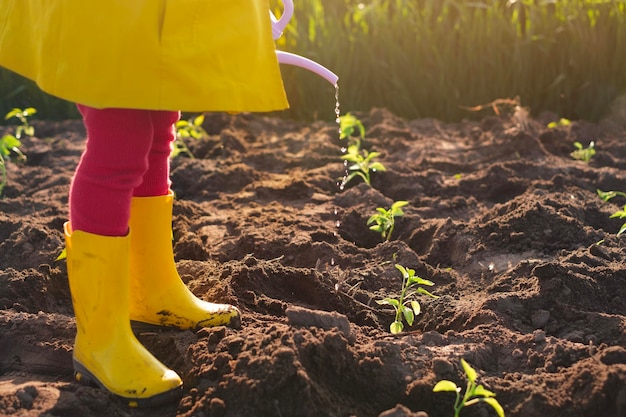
[126, 154]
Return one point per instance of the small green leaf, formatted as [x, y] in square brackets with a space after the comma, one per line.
[400, 203]
[469, 371]
[445, 386]
[198, 120]
[396, 327]
[495, 405]
[377, 166]
[12, 113]
[11, 142]
[402, 269]
[62, 255]
[483, 392]
[618, 214]
[389, 301]
[425, 292]
[29, 111]
[408, 314]
[417, 309]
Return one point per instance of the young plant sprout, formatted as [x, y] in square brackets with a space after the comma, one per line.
[583, 154]
[191, 128]
[385, 219]
[473, 393]
[407, 308]
[349, 124]
[22, 115]
[362, 161]
[562, 122]
[362, 164]
[620, 214]
[10, 144]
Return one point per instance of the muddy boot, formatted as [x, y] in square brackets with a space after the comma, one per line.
[106, 352]
[158, 295]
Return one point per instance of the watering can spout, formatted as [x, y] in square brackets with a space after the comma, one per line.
[278, 25]
[302, 62]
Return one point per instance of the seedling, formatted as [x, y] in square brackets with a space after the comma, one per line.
[473, 393]
[22, 115]
[363, 164]
[362, 161]
[10, 144]
[186, 129]
[620, 214]
[583, 154]
[348, 125]
[405, 307]
[385, 219]
[562, 122]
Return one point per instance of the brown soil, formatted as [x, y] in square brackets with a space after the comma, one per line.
[508, 226]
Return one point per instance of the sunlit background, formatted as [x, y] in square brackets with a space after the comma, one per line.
[434, 58]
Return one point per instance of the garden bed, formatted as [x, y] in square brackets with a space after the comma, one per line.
[524, 257]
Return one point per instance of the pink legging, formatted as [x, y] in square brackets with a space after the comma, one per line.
[126, 155]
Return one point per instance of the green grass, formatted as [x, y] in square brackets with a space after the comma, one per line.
[429, 58]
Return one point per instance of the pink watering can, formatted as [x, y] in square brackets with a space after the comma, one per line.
[278, 25]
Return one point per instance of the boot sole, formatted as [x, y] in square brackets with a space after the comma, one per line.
[141, 326]
[85, 377]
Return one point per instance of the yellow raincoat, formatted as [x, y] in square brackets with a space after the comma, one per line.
[190, 55]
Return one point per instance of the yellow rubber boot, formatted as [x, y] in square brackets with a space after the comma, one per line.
[106, 352]
[158, 295]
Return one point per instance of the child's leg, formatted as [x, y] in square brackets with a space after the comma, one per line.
[156, 180]
[106, 351]
[112, 166]
[158, 295]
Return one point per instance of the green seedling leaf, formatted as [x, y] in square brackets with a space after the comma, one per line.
[495, 405]
[483, 392]
[469, 371]
[396, 327]
[389, 301]
[62, 255]
[198, 121]
[425, 292]
[607, 195]
[417, 309]
[8, 144]
[446, 386]
[408, 314]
